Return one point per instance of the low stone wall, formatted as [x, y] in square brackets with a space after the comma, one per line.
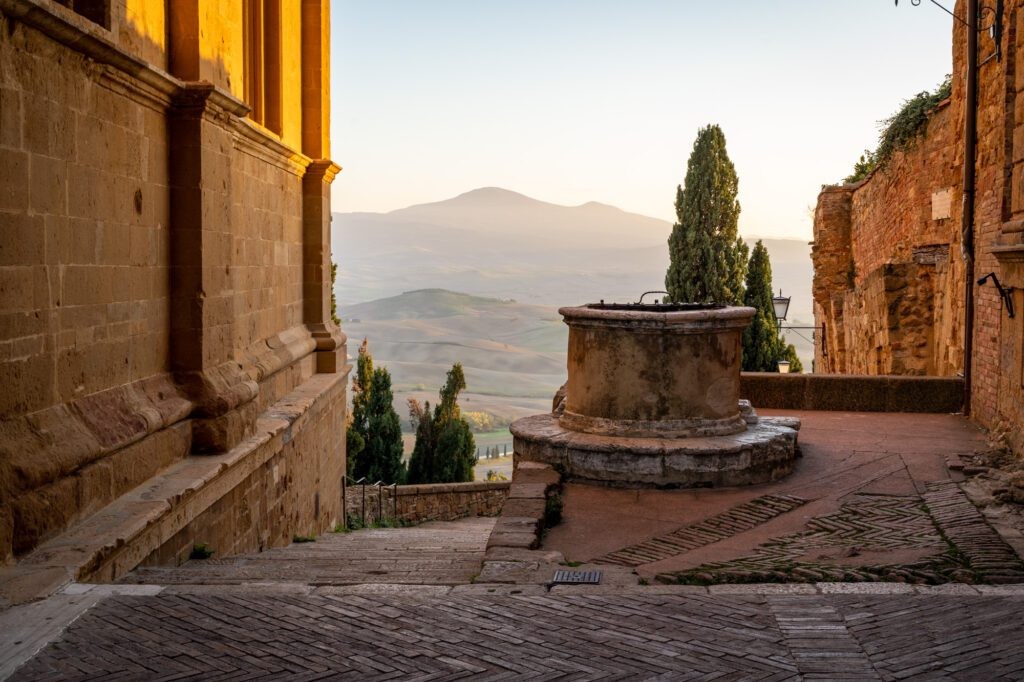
[431, 502]
[852, 393]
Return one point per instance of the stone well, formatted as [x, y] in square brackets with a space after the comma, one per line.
[653, 399]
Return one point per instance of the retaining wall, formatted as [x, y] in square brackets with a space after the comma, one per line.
[431, 502]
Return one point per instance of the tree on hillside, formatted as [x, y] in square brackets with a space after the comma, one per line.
[708, 258]
[445, 451]
[374, 437]
[762, 348]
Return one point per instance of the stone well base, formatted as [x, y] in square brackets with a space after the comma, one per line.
[765, 452]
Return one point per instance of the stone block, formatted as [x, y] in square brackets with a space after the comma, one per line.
[212, 435]
[536, 473]
[10, 118]
[48, 184]
[528, 507]
[528, 490]
[22, 239]
[14, 180]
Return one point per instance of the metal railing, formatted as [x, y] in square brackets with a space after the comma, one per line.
[381, 487]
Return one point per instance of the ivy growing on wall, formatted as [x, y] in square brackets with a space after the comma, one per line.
[901, 129]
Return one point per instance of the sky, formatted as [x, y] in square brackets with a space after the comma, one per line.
[571, 101]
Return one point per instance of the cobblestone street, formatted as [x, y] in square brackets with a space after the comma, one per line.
[447, 633]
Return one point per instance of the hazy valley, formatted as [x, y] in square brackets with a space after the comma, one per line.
[478, 279]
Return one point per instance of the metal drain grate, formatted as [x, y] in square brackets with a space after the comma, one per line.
[563, 577]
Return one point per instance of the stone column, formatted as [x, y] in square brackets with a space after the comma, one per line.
[202, 292]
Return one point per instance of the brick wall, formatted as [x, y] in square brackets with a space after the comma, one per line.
[432, 502]
[884, 226]
[883, 274]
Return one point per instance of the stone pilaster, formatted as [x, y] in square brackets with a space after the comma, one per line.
[316, 266]
[202, 315]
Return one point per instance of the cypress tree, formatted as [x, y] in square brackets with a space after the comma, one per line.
[445, 451]
[374, 436]
[355, 435]
[762, 348]
[421, 462]
[381, 459]
[707, 257]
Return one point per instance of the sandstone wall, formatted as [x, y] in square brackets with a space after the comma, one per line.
[296, 491]
[164, 266]
[431, 502]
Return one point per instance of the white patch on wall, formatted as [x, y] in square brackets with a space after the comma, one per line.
[941, 204]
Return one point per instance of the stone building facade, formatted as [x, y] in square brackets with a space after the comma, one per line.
[165, 280]
[889, 286]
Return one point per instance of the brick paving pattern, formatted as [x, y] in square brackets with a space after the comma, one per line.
[865, 523]
[740, 518]
[222, 636]
[442, 553]
[989, 556]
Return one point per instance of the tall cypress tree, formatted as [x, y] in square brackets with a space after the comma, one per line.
[445, 451]
[374, 437]
[355, 435]
[421, 462]
[708, 259]
[381, 459]
[762, 348]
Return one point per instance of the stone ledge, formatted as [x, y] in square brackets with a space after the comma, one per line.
[852, 393]
[435, 488]
[113, 541]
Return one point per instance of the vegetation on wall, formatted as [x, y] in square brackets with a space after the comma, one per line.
[334, 299]
[374, 437]
[444, 451]
[708, 259]
[901, 129]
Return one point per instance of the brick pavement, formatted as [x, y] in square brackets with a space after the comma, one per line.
[228, 633]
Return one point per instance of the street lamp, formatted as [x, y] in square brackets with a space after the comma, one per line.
[780, 306]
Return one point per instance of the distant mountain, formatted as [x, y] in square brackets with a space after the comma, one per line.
[502, 244]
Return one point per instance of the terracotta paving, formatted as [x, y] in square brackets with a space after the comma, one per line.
[871, 499]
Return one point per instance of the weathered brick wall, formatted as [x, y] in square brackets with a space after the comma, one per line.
[889, 224]
[998, 369]
[883, 276]
[432, 502]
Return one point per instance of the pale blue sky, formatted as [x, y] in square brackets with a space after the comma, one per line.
[572, 101]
